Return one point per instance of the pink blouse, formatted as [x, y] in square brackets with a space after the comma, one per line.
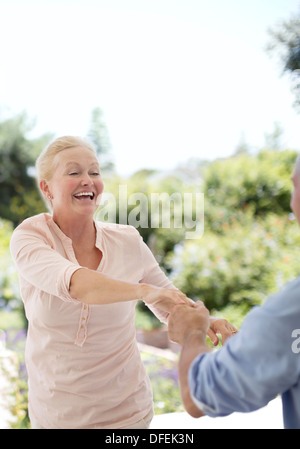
[84, 366]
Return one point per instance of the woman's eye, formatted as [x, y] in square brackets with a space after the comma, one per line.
[73, 173]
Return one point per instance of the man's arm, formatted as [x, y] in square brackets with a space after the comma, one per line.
[193, 346]
[189, 327]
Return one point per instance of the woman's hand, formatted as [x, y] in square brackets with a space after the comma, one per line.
[163, 298]
[220, 326]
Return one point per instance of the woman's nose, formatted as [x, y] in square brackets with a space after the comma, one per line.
[86, 180]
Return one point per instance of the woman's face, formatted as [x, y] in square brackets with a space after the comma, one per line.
[75, 184]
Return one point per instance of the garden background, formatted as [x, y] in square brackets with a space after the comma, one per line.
[248, 250]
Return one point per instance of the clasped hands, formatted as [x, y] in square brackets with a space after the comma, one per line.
[186, 316]
[185, 319]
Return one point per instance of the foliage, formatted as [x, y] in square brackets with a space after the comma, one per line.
[19, 195]
[20, 409]
[262, 183]
[285, 43]
[9, 289]
[164, 380]
[98, 135]
[142, 199]
[242, 265]
[249, 245]
[19, 406]
[15, 373]
[11, 319]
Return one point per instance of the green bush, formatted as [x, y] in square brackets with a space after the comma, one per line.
[260, 182]
[9, 288]
[243, 265]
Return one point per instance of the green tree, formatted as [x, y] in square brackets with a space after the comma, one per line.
[261, 183]
[285, 43]
[19, 194]
[273, 140]
[98, 135]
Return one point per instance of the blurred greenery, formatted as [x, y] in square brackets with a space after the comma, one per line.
[261, 183]
[249, 247]
[284, 44]
[19, 195]
[164, 380]
[240, 266]
[250, 244]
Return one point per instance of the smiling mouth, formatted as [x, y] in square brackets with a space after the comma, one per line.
[84, 195]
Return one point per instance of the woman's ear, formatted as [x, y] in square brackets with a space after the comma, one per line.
[45, 189]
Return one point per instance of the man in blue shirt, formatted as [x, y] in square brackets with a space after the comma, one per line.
[254, 365]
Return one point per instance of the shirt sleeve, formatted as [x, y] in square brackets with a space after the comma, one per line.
[154, 275]
[255, 365]
[40, 265]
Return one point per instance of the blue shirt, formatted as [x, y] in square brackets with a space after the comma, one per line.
[255, 365]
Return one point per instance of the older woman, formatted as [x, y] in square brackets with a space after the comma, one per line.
[80, 281]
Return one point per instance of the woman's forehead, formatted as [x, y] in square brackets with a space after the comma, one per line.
[77, 155]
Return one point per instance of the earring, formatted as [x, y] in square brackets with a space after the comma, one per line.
[50, 197]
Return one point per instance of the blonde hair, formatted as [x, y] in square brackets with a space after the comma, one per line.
[45, 163]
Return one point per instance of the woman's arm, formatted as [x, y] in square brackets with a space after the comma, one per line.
[93, 287]
[44, 268]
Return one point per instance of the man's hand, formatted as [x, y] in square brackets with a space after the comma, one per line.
[185, 319]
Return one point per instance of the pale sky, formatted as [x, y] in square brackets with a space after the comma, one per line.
[175, 79]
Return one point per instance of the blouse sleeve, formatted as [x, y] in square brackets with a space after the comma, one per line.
[41, 265]
[154, 275]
